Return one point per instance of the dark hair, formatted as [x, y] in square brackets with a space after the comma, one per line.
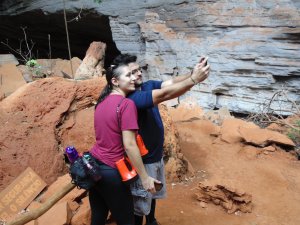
[113, 71]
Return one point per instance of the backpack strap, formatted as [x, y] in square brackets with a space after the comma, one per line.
[118, 111]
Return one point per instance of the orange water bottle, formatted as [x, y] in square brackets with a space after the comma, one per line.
[126, 170]
[141, 145]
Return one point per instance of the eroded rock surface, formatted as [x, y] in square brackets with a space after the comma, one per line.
[253, 46]
[31, 119]
[93, 62]
[43, 117]
[230, 199]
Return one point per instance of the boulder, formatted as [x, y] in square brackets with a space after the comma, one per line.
[10, 79]
[176, 165]
[59, 67]
[83, 215]
[8, 59]
[93, 62]
[59, 214]
[31, 120]
[264, 137]
[230, 129]
[43, 117]
[231, 199]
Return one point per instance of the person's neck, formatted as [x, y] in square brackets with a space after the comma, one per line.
[138, 87]
[118, 92]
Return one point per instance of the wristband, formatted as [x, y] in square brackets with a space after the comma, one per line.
[193, 80]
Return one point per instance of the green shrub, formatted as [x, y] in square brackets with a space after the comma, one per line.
[294, 133]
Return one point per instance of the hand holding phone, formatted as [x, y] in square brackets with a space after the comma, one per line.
[158, 186]
[202, 59]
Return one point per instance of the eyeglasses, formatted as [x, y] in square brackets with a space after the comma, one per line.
[133, 72]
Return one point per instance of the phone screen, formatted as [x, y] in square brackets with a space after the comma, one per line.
[158, 186]
[202, 60]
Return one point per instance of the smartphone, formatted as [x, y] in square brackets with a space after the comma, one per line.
[202, 60]
[158, 186]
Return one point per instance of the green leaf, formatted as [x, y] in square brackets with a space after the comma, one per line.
[31, 63]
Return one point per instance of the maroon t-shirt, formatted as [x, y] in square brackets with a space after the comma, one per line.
[108, 147]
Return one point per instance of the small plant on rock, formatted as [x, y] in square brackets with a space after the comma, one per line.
[294, 132]
[35, 69]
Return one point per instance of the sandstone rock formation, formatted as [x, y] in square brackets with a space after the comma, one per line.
[253, 45]
[177, 167]
[267, 174]
[50, 68]
[31, 118]
[230, 199]
[236, 131]
[10, 79]
[8, 59]
[93, 62]
[43, 117]
[261, 137]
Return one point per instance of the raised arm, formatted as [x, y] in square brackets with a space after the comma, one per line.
[175, 80]
[200, 73]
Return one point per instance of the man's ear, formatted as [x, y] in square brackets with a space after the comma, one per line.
[115, 82]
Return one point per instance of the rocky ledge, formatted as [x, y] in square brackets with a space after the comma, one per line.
[253, 46]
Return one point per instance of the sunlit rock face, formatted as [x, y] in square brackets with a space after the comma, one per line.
[253, 46]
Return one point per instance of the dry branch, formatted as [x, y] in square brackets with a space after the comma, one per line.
[268, 115]
[27, 217]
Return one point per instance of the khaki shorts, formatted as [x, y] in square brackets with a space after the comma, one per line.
[141, 198]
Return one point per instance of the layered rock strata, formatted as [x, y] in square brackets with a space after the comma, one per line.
[253, 46]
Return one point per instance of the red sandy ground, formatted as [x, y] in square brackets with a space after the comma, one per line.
[273, 180]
